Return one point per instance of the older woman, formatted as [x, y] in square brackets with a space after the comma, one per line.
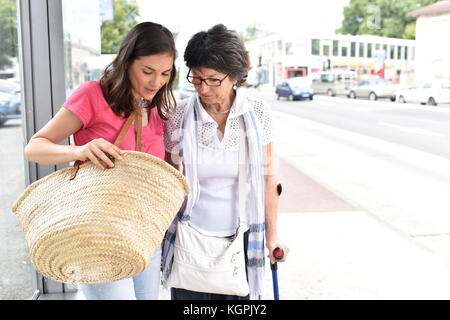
[203, 136]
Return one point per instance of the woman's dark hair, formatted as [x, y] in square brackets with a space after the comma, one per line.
[219, 49]
[144, 39]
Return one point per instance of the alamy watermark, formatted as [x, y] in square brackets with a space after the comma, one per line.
[374, 17]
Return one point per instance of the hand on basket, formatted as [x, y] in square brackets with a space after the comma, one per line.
[100, 152]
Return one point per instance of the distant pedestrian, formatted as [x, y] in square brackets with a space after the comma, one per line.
[203, 135]
[139, 79]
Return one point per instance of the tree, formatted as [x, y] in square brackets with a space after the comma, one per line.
[8, 32]
[250, 32]
[113, 32]
[385, 18]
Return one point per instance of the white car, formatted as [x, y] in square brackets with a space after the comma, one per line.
[431, 93]
[373, 88]
[9, 86]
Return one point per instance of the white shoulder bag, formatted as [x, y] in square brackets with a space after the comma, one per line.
[213, 264]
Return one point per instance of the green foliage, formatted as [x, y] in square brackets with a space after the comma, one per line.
[249, 33]
[410, 31]
[113, 32]
[8, 32]
[385, 18]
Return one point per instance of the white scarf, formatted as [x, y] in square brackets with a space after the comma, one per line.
[189, 146]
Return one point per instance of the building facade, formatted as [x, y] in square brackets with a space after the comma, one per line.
[433, 51]
[275, 57]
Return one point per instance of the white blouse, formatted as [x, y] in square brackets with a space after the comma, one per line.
[217, 211]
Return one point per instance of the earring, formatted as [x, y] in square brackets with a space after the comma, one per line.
[235, 86]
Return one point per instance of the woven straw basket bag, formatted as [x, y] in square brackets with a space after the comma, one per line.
[86, 225]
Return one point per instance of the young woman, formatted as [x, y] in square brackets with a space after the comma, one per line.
[139, 79]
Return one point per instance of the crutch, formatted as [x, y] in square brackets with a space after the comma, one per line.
[278, 254]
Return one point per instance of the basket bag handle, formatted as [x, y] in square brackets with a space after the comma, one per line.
[119, 138]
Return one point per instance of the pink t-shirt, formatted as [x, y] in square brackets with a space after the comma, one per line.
[99, 121]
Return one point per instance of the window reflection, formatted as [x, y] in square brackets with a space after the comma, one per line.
[82, 45]
[15, 275]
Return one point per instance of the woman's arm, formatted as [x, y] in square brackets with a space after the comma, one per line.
[44, 147]
[271, 203]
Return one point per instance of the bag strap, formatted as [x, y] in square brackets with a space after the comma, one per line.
[119, 138]
[242, 172]
[124, 129]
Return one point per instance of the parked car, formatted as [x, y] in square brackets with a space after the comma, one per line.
[431, 93]
[10, 107]
[333, 82]
[295, 89]
[8, 86]
[373, 88]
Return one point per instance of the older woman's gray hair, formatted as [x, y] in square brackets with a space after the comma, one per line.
[219, 49]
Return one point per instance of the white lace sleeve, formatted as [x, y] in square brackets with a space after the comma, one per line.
[264, 114]
[172, 132]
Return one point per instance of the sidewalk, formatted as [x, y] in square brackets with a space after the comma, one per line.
[349, 255]
[339, 251]
[342, 251]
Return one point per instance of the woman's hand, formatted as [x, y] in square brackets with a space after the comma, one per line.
[275, 242]
[100, 152]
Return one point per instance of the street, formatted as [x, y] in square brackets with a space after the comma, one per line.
[389, 160]
[364, 204]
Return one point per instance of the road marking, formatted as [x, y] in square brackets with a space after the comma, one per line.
[411, 130]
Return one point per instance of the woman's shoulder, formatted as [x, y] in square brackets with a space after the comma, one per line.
[89, 91]
[175, 116]
[263, 114]
[260, 107]
[173, 125]
[89, 86]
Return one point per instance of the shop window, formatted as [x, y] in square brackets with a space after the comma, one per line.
[335, 48]
[361, 50]
[369, 50]
[315, 47]
[353, 49]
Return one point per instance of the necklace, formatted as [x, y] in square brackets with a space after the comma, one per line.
[142, 103]
[218, 112]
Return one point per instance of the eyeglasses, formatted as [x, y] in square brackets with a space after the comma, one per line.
[211, 82]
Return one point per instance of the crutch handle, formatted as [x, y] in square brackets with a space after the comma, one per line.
[278, 253]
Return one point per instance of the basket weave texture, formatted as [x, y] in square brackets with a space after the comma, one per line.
[104, 225]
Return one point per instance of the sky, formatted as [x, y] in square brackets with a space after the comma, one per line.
[319, 16]
[187, 17]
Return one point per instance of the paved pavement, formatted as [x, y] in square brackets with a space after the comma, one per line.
[15, 276]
